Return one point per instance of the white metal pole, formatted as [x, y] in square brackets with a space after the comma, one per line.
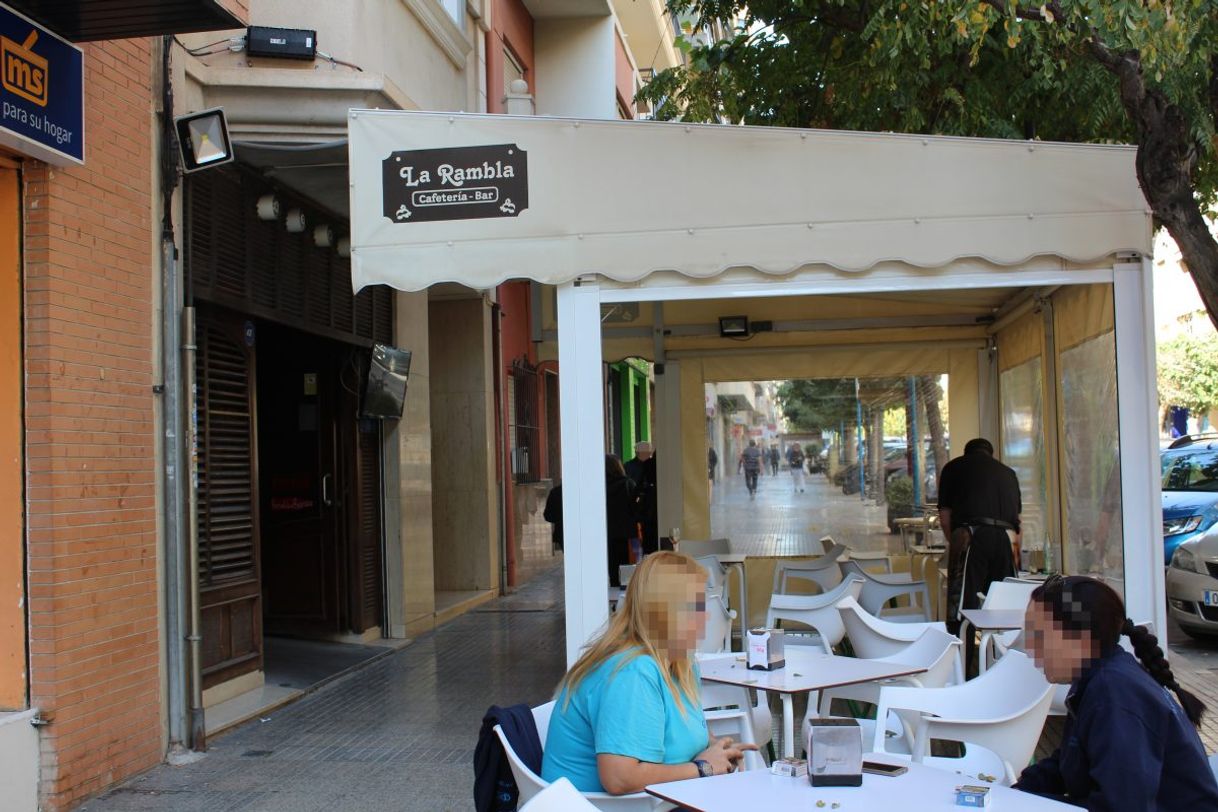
[586, 557]
[1137, 409]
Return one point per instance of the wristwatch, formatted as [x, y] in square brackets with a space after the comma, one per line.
[705, 770]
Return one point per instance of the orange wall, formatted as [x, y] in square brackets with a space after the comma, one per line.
[623, 75]
[12, 524]
[512, 28]
[90, 464]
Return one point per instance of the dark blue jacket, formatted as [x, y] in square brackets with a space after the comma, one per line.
[1127, 746]
[494, 786]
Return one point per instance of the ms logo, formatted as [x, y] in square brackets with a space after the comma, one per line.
[25, 72]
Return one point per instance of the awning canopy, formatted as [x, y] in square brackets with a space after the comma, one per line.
[439, 197]
[85, 20]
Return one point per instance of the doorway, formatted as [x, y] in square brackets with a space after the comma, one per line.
[319, 489]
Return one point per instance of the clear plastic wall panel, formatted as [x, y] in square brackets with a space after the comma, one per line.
[1023, 449]
[1093, 540]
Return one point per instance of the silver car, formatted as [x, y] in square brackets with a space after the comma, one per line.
[1192, 585]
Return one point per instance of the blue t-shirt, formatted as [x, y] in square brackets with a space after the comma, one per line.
[626, 712]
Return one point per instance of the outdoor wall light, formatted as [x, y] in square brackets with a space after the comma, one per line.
[268, 208]
[323, 236]
[733, 326]
[203, 139]
[295, 222]
[343, 248]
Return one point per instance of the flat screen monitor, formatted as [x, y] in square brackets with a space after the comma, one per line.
[385, 392]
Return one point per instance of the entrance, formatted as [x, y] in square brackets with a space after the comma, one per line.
[289, 491]
[319, 482]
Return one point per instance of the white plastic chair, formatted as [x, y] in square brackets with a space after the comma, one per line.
[729, 712]
[879, 589]
[531, 784]
[816, 611]
[872, 637]
[823, 571]
[1002, 595]
[935, 651]
[624, 573]
[999, 716]
[716, 573]
[717, 636]
[561, 796]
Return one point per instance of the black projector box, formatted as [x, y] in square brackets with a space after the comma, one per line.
[285, 43]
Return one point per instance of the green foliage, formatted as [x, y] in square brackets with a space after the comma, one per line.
[900, 492]
[894, 422]
[955, 67]
[812, 405]
[1188, 371]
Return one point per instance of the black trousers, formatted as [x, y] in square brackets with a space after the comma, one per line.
[619, 553]
[987, 559]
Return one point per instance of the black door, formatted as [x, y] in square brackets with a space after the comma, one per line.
[301, 483]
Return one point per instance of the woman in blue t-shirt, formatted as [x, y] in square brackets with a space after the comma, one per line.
[1128, 743]
[628, 712]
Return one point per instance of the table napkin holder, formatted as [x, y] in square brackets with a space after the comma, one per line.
[835, 753]
[766, 649]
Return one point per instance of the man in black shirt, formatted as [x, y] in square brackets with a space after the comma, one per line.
[979, 506]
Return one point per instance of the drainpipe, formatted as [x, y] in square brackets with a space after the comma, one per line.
[507, 557]
[198, 732]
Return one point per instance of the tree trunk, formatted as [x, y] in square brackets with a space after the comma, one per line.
[930, 392]
[1166, 161]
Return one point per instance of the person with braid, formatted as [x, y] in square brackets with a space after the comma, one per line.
[1128, 743]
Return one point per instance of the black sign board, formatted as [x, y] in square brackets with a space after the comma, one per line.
[460, 183]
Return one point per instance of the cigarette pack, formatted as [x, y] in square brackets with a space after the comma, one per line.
[978, 797]
[790, 767]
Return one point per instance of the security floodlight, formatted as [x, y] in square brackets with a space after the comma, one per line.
[734, 326]
[203, 139]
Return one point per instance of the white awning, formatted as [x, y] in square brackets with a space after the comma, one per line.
[555, 199]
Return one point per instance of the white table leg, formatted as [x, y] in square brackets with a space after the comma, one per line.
[788, 725]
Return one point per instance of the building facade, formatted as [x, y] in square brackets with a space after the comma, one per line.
[184, 370]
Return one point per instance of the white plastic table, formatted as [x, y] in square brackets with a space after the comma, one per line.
[805, 671]
[923, 788]
[989, 620]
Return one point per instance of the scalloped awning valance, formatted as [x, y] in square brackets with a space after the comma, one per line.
[439, 197]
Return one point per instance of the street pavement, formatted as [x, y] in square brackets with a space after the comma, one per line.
[400, 733]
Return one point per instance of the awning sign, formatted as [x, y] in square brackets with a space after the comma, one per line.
[460, 183]
[41, 92]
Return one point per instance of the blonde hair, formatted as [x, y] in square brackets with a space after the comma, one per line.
[647, 616]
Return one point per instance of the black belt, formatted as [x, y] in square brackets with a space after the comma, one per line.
[989, 523]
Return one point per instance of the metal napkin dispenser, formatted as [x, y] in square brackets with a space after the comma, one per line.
[766, 649]
[835, 753]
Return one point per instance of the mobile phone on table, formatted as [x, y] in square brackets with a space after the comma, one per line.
[880, 768]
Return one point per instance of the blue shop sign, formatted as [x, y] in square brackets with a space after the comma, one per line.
[42, 91]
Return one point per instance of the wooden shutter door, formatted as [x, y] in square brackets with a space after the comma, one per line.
[229, 575]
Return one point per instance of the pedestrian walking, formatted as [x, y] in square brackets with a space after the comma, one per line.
[750, 462]
[773, 456]
[795, 459]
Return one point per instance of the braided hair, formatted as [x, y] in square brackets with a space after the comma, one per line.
[1079, 603]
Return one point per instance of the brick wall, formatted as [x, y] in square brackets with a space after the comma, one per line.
[89, 275]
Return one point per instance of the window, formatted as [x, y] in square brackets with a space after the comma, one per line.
[456, 10]
[1023, 448]
[524, 427]
[512, 70]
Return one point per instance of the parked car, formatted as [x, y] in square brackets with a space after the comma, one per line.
[1190, 489]
[1192, 585]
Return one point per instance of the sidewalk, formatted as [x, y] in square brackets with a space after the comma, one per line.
[399, 734]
